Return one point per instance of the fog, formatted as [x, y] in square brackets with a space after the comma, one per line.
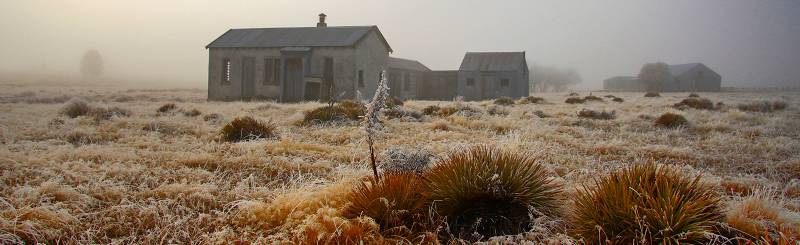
[750, 43]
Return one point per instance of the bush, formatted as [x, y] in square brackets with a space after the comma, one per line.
[393, 102]
[693, 95]
[652, 94]
[168, 107]
[395, 202]
[763, 106]
[344, 110]
[592, 98]
[696, 103]
[247, 128]
[488, 191]
[574, 100]
[646, 204]
[601, 115]
[671, 120]
[531, 100]
[75, 108]
[618, 100]
[192, 113]
[504, 101]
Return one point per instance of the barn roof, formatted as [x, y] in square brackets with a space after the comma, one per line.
[493, 61]
[677, 70]
[337, 36]
[406, 64]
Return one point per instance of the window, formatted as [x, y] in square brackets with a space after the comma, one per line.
[272, 71]
[361, 79]
[471, 82]
[407, 83]
[504, 82]
[226, 71]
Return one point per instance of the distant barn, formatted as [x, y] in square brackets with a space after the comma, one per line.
[405, 77]
[692, 77]
[489, 75]
[296, 64]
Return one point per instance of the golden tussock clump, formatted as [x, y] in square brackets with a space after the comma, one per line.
[75, 108]
[247, 128]
[341, 111]
[395, 202]
[440, 125]
[168, 107]
[671, 120]
[695, 103]
[574, 100]
[762, 216]
[646, 203]
[490, 192]
[327, 226]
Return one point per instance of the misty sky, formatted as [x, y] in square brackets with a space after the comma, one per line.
[750, 43]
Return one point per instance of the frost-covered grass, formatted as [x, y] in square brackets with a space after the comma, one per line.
[154, 177]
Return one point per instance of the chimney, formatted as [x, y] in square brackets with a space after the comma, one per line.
[321, 22]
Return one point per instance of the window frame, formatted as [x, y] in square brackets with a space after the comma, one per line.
[226, 71]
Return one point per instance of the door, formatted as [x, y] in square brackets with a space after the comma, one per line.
[327, 89]
[394, 84]
[293, 86]
[248, 78]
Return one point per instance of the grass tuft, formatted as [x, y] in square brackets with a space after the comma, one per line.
[168, 107]
[671, 120]
[618, 100]
[395, 201]
[247, 128]
[646, 204]
[651, 94]
[695, 103]
[592, 98]
[531, 100]
[341, 111]
[75, 108]
[506, 101]
[490, 192]
[763, 106]
[599, 115]
[574, 100]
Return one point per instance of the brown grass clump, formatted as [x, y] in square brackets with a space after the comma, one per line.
[651, 94]
[646, 204]
[504, 101]
[574, 100]
[401, 160]
[344, 110]
[592, 98]
[440, 125]
[490, 192]
[395, 202]
[399, 112]
[75, 108]
[192, 113]
[100, 114]
[497, 111]
[763, 106]
[393, 102]
[600, 115]
[573, 94]
[618, 100]
[695, 103]
[431, 110]
[168, 107]
[762, 216]
[466, 111]
[531, 100]
[693, 95]
[327, 226]
[671, 120]
[247, 128]
[212, 117]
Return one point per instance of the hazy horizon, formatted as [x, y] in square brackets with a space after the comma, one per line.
[750, 43]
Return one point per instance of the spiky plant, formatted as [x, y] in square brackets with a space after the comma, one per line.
[371, 122]
[491, 192]
[646, 204]
[247, 128]
[395, 203]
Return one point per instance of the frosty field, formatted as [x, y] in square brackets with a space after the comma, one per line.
[164, 177]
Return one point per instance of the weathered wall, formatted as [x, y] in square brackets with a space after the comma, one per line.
[700, 78]
[370, 56]
[438, 85]
[403, 90]
[488, 84]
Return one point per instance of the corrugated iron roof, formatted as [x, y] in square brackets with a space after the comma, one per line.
[406, 64]
[677, 70]
[493, 61]
[338, 36]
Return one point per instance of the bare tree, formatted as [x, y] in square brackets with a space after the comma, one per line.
[654, 76]
[547, 78]
[92, 64]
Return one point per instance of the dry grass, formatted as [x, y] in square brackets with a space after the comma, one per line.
[247, 128]
[763, 106]
[695, 103]
[504, 101]
[599, 115]
[152, 178]
[671, 120]
[762, 215]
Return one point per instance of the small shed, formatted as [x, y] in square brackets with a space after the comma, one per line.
[489, 75]
[405, 77]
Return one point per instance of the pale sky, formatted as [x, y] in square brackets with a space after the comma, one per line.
[750, 43]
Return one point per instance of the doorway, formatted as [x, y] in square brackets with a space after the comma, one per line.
[293, 84]
[248, 78]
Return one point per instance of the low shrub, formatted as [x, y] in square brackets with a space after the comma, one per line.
[393, 102]
[531, 100]
[610, 96]
[450, 110]
[490, 192]
[671, 120]
[618, 100]
[693, 95]
[600, 115]
[695, 103]
[574, 100]
[504, 101]
[652, 94]
[646, 204]
[592, 98]
[405, 160]
[192, 113]
[168, 107]
[763, 106]
[395, 202]
[75, 108]
[247, 128]
[341, 111]
[398, 112]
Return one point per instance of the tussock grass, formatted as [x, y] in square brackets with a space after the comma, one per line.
[405, 160]
[762, 215]
[341, 111]
[694, 95]
[247, 128]
[168, 107]
[490, 192]
[400, 113]
[671, 120]
[763, 106]
[531, 100]
[646, 203]
[75, 108]
[618, 100]
[574, 100]
[395, 202]
[651, 95]
[505, 101]
[497, 111]
[599, 115]
[695, 103]
[592, 98]
[393, 102]
[192, 113]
